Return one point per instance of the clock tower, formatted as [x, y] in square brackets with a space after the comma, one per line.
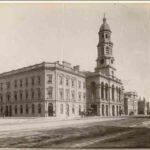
[105, 60]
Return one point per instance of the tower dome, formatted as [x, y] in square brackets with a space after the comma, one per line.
[104, 26]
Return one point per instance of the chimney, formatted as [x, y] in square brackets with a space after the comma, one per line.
[76, 68]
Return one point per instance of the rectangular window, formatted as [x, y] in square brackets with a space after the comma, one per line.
[67, 82]
[79, 83]
[1, 86]
[79, 94]
[73, 95]
[20, 83]
[1, 98]
[39, 93]
[73, 83]
[67, 94]
[39, 80]
[26, 94]
[15, 83]
[61, 80]
[32, 94]
[7, 85]
[32, 80]
[20, 95]
[15, 96]
[61, 93]
[50, 78]
[50, 92]
[84, 96]
[26, 80]
[83, 85]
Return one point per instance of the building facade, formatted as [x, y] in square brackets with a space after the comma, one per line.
[104, 90]
[60, 90]
[46, 89]
[142, 107]
[130, 103]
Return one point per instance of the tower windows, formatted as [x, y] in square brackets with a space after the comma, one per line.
[106, 36]
[102, 61]
[107, 50]
[111, 61]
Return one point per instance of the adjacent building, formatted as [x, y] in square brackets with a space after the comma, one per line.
[130, 103]
[104, 90]
[142, 107]
[46, 89]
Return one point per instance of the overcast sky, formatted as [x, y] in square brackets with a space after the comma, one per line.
[33, 33]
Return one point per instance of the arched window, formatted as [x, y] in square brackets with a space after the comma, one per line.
[39, 108]
[33, 109]
[102, 90]
[106, 91]
[113, 92]
[103, 110]
[93, 90]
[113, 110]
[119, 94]
[106, 36]
[106, 110]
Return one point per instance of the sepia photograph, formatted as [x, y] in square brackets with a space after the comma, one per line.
[74, 75]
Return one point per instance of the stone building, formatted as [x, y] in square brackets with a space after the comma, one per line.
[148, 108]
[46, 89]
[142, 107]
[130, 103]
[104, 90]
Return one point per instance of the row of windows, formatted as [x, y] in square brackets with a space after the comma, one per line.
[20, 82]
[19, 109]
[108, 51]
[67, 82]
[105, 110]
[105, 36]
[61, 94]
[68, 109]
[19, 95]
[105, 92]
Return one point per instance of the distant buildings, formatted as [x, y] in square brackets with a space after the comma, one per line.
[142, 107]
[134, 105]
[130, 103]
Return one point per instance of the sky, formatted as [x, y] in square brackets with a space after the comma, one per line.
[31, 33]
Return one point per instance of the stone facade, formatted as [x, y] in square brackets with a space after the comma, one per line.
[104, 90]
[46, 89]
[57, 89]
[142, 107]
[131, 103]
